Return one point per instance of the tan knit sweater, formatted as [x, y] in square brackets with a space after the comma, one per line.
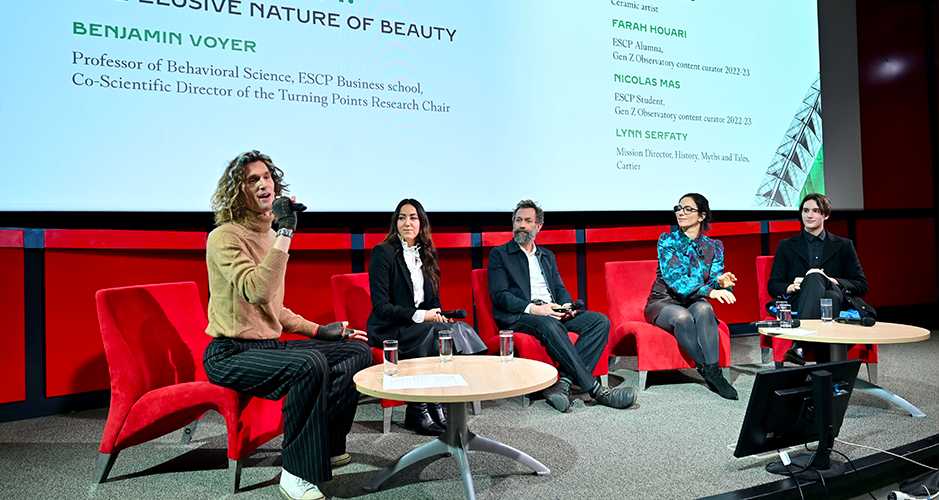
[246, 283]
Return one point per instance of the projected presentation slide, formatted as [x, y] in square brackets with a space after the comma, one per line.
[138, 105]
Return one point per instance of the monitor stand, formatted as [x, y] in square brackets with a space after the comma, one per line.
[812, 465]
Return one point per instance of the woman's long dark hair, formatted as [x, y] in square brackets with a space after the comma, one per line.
[428, 251]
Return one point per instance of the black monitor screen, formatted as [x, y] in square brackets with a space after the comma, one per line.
[780, 413]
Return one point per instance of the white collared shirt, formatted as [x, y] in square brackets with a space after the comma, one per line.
[412, 258]
[539, 287]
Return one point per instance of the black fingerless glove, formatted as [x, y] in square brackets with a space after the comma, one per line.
[286, 212]
[332, 331]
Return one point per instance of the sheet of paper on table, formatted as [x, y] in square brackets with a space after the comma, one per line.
[423, 381]
[791, 331]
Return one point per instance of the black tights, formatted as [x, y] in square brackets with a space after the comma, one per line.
[695, 328]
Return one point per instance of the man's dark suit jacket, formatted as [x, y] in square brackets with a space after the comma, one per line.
[839, 260]
[510, 281]
[392, 293]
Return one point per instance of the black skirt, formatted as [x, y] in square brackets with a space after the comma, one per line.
[420, 339]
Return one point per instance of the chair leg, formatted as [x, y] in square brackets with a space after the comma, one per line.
[779, 364]
[103, 466]
[726, 373]
[386, 420]
[767, 355]
[187, 432]
[477, 407]
[234, 470]
[872, 373]
[643, 377]
[605, 380]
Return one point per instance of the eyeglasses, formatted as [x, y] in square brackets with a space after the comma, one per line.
[687, 209]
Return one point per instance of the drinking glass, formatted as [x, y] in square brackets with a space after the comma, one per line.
[506, 348]
[826, 310]
[784, 315]
[446, 346]
[391, 357]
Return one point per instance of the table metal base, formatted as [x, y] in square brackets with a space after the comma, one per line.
[457, 440]
[839, 352]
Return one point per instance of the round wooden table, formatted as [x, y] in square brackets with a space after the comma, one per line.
[487, 378]
[841, 336]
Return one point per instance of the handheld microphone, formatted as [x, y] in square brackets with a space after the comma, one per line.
[774, 324]
[865, 321]
[454, 314]
[577, 304]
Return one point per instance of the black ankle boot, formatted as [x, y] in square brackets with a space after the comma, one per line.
[436, 413]
[418, 419]
[716, 381]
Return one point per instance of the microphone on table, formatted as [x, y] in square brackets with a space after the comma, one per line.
[454, 314]
[865, 321]
[774, 324]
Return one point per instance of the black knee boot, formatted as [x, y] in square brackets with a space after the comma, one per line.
[417, 417]
[716, 381]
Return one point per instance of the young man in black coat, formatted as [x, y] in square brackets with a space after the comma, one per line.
[814, 265]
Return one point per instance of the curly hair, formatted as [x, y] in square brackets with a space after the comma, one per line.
[430, 268]
[228, 201]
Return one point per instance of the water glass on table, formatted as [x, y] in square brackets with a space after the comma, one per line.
[826, 310]
[784, 315]
[446, 346]
[506, 347]
[391, 357]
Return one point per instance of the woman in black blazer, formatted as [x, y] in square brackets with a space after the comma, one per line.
[404, 280]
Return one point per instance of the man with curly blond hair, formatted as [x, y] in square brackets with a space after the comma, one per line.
[247, 262]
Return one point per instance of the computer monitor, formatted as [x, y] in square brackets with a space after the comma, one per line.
[793, 406]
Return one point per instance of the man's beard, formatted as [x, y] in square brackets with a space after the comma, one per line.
[523, 237]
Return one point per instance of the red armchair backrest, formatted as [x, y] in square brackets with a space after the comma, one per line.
[486, 322]
[627, 289]
[352, 299]
[764, 264]
[153, 335]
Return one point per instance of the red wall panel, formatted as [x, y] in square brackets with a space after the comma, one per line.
[12, 303]
[740, 253]
[75, 359]
[899, 273]
[598, 254]
[894, 105]
[307, 290]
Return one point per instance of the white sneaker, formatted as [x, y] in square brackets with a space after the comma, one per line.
[296, 488]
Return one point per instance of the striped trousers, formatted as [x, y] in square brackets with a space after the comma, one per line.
[316, 378]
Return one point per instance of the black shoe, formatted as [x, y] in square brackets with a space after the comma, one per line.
[559, 395]
[619, 397]
[716, 381]
[418, 419]
[795, 356]
[437, 414]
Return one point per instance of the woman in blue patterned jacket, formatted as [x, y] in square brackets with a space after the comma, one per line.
[691, 270]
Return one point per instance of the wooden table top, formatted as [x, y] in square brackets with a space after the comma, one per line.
[488, 378]
[840, 333]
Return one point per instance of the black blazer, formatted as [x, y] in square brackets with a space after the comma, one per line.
[839, 260]
[392, 293]
[510, 281]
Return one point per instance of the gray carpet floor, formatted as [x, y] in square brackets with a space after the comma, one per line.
[676, 442]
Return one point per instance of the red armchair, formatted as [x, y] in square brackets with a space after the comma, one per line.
[352, 302]
[764, 265]
[154, 338]
[526, 346]
[627, 290]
